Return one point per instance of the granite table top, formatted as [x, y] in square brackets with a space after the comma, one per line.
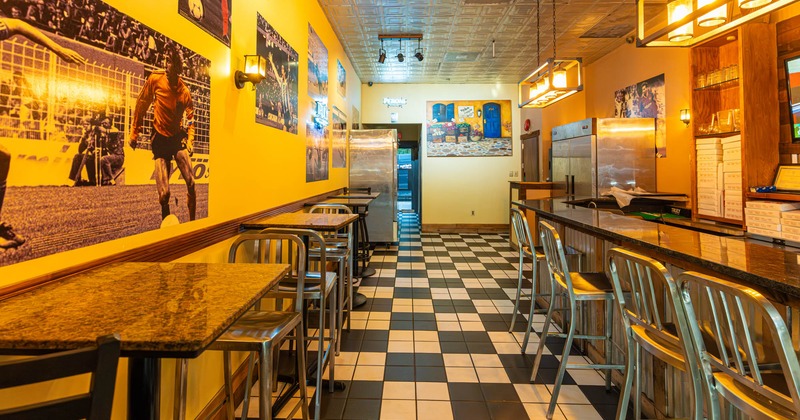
[768, 267]
[314, 221]
[357, 195]
[353, 202]
[158, 309]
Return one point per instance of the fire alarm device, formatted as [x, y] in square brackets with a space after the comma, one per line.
[527, 125]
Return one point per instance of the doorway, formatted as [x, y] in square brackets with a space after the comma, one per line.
[530, 156]
[408, 180]
[491, 121]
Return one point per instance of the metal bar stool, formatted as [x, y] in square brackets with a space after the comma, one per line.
[101, 361]
[653, 319]
[578, 287]
[339, 246]
[258, 332]
[320, 286]
[363, 232]
[760, 380]
[526, 250]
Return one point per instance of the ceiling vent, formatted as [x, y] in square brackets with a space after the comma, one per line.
[619, 22]
[454, 56]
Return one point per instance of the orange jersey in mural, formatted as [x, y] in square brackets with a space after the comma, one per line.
[170, 105]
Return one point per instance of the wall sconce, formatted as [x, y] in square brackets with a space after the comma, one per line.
[691, 22]
[686, 116]
[255, 70]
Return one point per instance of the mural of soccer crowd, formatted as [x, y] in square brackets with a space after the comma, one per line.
[91, 22]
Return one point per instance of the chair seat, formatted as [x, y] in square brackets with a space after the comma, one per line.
[539, 252]
[255, 328]
[590, 286]
[741, 395]
[312, 283]
[330, 253]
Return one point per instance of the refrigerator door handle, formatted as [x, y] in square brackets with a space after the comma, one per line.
[573, 184]
[566, 184]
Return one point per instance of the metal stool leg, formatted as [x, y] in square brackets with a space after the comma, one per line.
[301, 370]
[334, 338]
[637, 382]
[248, 386]
[625, 392]
[520, 276]
[265, 383]
[609, 348]
[562, 367]
[543, 338]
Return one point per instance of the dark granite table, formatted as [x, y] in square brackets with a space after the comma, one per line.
[173, 310]
[373, 195]
[772, 269]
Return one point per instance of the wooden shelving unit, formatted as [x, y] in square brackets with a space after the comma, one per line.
[754, 93]
[774, 196]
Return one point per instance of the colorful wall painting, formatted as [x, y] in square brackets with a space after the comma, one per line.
[469, 128]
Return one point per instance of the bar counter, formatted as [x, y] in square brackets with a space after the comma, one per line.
[773, 269]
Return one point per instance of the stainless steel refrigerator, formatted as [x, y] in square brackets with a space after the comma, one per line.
[373, 163]
[593, 155]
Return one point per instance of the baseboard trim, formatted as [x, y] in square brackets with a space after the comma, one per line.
[465, 228]
[164, 250]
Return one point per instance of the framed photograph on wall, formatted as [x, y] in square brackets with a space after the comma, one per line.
[214, 16]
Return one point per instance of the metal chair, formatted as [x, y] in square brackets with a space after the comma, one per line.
[363, 232]
[653, 319]
[319, 286]
[744, 324]
[526, 250]
[577, 287]
[258, 332]
[101, 361]
[339, 247]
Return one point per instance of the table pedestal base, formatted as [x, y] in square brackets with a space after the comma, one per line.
[144, 379]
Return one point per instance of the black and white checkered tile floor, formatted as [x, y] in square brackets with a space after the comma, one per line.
[432, 341]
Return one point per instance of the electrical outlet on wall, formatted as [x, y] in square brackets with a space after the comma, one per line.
[510, 174]
[473, 213]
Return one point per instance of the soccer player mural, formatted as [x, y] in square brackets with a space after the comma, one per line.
[93, 162]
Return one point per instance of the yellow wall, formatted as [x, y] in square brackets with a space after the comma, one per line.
[453, 187]
[255, 167]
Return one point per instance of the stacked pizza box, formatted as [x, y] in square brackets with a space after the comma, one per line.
[765, 218]
[732, 176]
[790, 222]
[710, 177]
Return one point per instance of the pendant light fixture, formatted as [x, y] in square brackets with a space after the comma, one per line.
[552, 81]
[691, 22]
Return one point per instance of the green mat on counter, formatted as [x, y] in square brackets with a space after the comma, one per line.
[654, 216]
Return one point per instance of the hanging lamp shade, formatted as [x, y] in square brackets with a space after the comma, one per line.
[553, 81]
[677, 10]
[692, 22]
[713, 18]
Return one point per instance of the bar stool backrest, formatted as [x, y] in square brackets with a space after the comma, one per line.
[649, 297]
[101, 361]
[521, 229]
[326, 208]
[273, 248]
[556, 260]
[734, 311]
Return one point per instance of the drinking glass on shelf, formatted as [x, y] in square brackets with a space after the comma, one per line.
[725, 120]
[736, 119]
[734, 71]
[701, 80]
[714, 126]
[702, 129]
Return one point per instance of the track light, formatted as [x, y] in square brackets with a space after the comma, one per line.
[382, 56]
[418, 52]
[401, 57]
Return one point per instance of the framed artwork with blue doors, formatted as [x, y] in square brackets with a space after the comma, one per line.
[469, 128]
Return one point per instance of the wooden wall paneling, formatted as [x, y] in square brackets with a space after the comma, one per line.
[758, 78]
